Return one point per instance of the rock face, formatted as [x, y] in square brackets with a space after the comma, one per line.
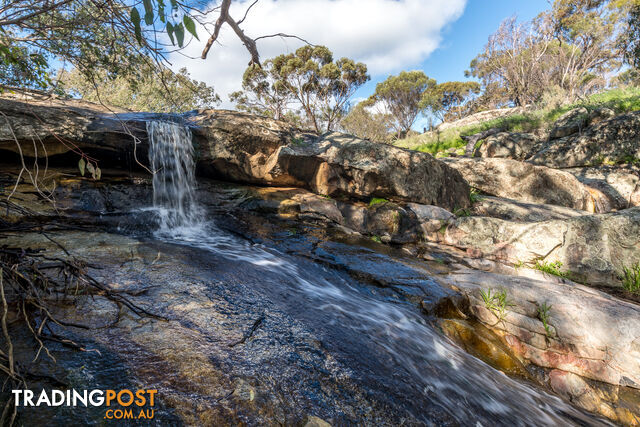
[588, 344]
[510, 145]
[569, 123]
[593, 249]
[513, 210]
[241, 148]
[238, 147]
[480, 117]
[621, 185]
[524, 182]
[616, 140]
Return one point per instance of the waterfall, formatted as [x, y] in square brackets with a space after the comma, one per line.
[171, 157]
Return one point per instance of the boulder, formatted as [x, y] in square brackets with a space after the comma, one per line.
[511, 145]
[243, 148]
[524, 182]
[592, 249]
[621, 185]
[512, 210]
[569, 123]
[46, 127]
[616, 140]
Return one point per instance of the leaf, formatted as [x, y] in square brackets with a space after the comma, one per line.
[174, 4]
[92, 170]
[135, 19]
[81, 165]
[148, 12]
[161, 11]
[98, 173]
[179, 32]
[190, 26]
[170, 32]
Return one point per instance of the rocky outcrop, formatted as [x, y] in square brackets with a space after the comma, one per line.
[513, 210]
[480, 117]
[621, 185]
[586, 342]
[525, 182]
[592, 249]
[510, 145]
[236, 146]
[615, 140]
[239, 147]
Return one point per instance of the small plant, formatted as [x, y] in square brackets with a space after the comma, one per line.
[496, 303]
[377, 201]
[297, 141]
[552, 268]
[376, 239]
[326, 196]
[543, 315]
[631, 279]
[462, 212]
[518, 265]
[474, 195]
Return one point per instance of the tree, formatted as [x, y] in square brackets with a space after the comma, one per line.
[309, 78]
[629, 38]
[173, 92]
[264, 92]
[401, 96]
[368, 125]
[448, 100]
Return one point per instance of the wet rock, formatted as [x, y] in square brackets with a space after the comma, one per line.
[510, 145]
[589, 333]
[524, 182]
[615, 140]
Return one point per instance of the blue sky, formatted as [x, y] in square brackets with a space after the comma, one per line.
[464, 38]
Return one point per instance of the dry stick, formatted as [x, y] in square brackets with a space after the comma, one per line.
[5, 330]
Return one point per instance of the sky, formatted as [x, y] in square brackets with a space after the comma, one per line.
[439, 37]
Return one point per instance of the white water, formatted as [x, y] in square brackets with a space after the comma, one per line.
[171, 156]
[452, 378]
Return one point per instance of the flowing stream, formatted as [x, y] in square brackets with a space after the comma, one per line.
[418, 361]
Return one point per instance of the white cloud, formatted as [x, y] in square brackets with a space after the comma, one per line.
[387, 35]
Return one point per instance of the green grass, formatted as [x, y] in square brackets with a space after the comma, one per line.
[377, 201]
[543, 315]
[619, 100]
[496, 303]
[552, 268]
[631, 279]
[474, 195]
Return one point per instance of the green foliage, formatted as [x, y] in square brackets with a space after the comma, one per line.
[631, 278]
[543, 315]
[376, 239]
[496, 303]
[449, 100]
[402, 97]
[474, 195]
[311, 78]
[377, 201]
[620, 100]
[552, 268]
[369, 125]
[461, 212]
[160, 90]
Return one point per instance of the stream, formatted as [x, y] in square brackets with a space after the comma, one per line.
[260, 333]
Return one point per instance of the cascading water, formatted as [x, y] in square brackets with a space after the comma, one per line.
[171, 156]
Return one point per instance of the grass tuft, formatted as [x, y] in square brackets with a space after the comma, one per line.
[631, 279]
[496, 303]
[543, 315]
[377, 201]
[552, 268]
